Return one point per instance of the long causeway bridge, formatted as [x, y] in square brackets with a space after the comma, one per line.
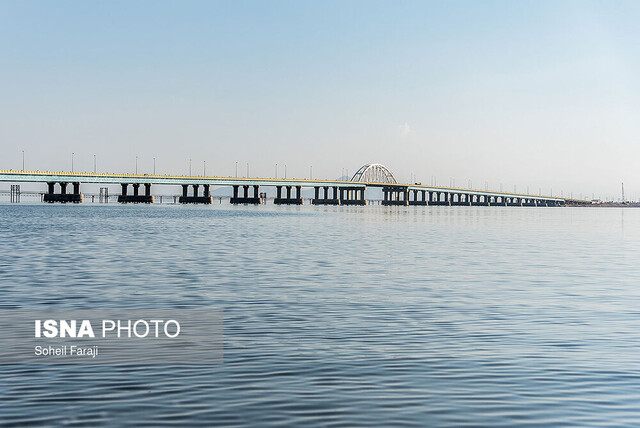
[136, 188]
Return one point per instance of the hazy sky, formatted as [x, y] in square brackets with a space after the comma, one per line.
[527, 93]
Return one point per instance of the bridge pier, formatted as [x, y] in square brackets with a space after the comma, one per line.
[480, 201]
[456, 199]
[415, 200]
[514, 202]
[195, 198]
[245, 199]
[352, 196]
[395, 195]
[279, 200]
[326, 200]
[136, 198]
[461, 199]
[63, 196]
[438, 198]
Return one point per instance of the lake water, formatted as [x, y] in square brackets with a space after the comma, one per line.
[339, 316]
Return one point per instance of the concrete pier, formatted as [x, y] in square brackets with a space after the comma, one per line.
[136, 197]
[288, 199]
[438, 198]
[195, 197]
[418, 197]
[460, 199]
[395, 195]
[326, 199]
[63, 196]
[352, 196]
[246, 199]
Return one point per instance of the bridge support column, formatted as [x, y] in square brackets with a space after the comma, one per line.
[136, 198]
[415, 200]
[513, 202]
[246, 199]
[351, 196]
[195, 198]
[437, 198]
[396, 195]
[290, 200]
[326, 200]
[461, 199]
[63, 196]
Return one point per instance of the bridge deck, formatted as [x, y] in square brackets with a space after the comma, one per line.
[102, 178]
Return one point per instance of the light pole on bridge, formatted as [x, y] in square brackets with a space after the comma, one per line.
[136, 164]
[154, 166]
[189, 167]
[23, 160]
[72, 153]
[95, 169]
[236, 169]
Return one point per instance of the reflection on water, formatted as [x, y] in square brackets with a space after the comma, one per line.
[340, 316]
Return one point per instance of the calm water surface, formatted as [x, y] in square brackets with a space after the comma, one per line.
[374, 316]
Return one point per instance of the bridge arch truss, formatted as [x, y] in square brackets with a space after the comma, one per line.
[374, 173]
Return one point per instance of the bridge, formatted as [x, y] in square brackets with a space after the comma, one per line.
[136, 188]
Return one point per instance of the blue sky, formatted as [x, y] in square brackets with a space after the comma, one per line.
[542, 94]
